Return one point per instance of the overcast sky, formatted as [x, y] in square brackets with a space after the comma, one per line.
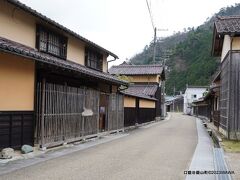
[124, 26]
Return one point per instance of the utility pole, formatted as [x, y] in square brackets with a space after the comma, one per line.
[174, 89]
[166, 55]
[163, 113]
[154, 44]
[154, 30]
[163, 99]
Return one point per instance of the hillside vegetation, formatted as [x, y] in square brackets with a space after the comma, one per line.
[187, 54]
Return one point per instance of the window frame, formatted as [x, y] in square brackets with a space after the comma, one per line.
[62, 40]
[93, 59]
[194, 96]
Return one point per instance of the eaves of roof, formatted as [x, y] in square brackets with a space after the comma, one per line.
[139, 96]
[57, 25]
[12, 47]
[228, 25]
[137, 70]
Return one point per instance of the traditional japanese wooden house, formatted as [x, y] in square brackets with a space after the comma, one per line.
[139, 104]
[208, 105]
[226, 45]
[215, 99]
[192, 93]
[54, 84]
[143, 98]
[175, 104]
[202, 107]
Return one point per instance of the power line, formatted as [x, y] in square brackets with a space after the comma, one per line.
[150, 14]
[154, 54]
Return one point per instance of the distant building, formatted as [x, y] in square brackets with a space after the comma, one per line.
[208, 106]
[174, 103]
[143, 99]
[192, 93]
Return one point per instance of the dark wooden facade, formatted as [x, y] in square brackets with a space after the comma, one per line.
[115, 118]
[202, 110]
[226, 44]
[134, 116]
[158, 96]
[59, 108]
[176, 105]
[146, 115]
[129, 116]
[224, 113]
[16, 128]
[138, 115]
[224, 94]
[229, 97]
[208, 106]
[216, 118]
[215, 103]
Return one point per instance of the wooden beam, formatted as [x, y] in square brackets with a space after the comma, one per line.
[42, 111]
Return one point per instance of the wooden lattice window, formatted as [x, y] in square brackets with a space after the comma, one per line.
[114, 102]
[93, 59]
[51, 42]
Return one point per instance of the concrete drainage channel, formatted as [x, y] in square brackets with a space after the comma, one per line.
[220, 165]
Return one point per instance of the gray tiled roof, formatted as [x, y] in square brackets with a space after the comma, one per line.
[7, 45]
[57, 25]
[227, 24]
[143, 91]
[136, 69]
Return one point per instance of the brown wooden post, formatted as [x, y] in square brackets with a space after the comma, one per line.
[65, 117]
[137, 111]
[117, 109]
[42, 111]
[108, 111]
[83, 118]
[98, 109]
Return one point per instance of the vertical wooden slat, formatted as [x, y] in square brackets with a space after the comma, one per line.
[59, 109]
[97, 111]
[42, 111]
[84, 106]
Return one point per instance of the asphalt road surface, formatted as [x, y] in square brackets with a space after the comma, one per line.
[162, 151]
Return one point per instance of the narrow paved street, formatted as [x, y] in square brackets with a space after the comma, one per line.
[160, 151]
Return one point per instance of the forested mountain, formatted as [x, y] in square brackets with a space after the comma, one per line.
[188, 54]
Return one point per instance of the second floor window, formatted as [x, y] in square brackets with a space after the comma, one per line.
[52, 43]
[194, 96]
[93, 59]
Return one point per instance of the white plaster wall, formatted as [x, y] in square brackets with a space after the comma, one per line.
[188, 99]
[227, 45]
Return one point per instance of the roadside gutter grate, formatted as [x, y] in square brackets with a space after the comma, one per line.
[220, 164]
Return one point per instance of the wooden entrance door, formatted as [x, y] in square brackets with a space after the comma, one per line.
[103, 104]
[115, 112]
